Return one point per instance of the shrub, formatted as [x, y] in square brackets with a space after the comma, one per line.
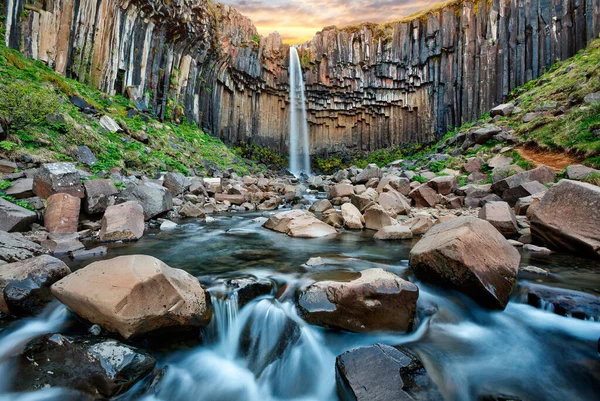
[8, 146]
[22, 107]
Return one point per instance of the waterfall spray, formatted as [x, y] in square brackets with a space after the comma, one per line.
[299, 149]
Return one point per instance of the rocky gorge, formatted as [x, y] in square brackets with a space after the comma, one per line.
[368, 86]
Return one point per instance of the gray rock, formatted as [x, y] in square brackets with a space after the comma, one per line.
[85, 156]
[501, 216]
[20, 189]
[369, 172]
[504, 110]
[176, 183]
[155, 199]
[13, 248]
[592, 98]
[99, 195]
[563, 302]
[56, 178]
[7, 166]
[580, 172]
[14, 217]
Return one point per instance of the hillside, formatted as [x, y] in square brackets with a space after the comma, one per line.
[45, 125]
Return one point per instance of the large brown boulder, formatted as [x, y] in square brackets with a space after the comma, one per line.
[502, 216]
[62, 213]
[376, 218]
[394, 203]
[25, 286]
[375, 300]
[468, 254]
[123, 222]
[135, 294]
[14, 217]
[425, 196]
[299, 223]
[56, 178]
[524, 184]
[443, 185]
[568, 217]
[341, 190]
[353, 220]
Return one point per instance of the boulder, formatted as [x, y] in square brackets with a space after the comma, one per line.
[176, 183]
[333, 218]
[299, 223]
[60, 243]
[109, 124]
[513, 185]
[382, 373]
[419, 225]
[154, 198]
[574, 172]
[563, 302]
[424, 196]
[13, 247]
[374, 300]
[320, 206]
[443, 185]
[190, 210]
[14, 217]
[503, 110]
[523, 190]
[376, 218]
[501, 216]
[592, 98]
[134, 295]
[269, 204]
[56, 178]
[231, 198]
[99, 195]
[368, 173]
[394, 203]
[62, 213]
[480, 136]
[364, 200]
[353, 220]
[568, 218]
[7, 166]
[96, 366]
[85, 156]
[400, 184]
[249, 288]
[21, 188]
[123, 222]
[500, 161]
[25, 285]
[473, 165]
[341, 190]
[468, 254]
[395, 232]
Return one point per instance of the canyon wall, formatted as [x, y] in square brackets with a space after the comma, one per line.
[368, 86]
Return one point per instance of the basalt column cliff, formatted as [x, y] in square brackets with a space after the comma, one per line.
[368, 86]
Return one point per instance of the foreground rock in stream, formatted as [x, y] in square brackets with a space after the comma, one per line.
[135, 294]
[563, 302]
[470, 255]
[100, 367]
[568, 217]
[299, 223]
[25, 286]
[382, 373]
[374, 300]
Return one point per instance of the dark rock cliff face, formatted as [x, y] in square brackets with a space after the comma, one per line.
[368, 87]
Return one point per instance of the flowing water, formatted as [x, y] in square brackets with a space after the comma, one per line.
[265, 352]
[298, 135]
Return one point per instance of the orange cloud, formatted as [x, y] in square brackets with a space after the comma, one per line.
[298, 20]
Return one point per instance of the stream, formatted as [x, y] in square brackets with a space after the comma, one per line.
[265, 352]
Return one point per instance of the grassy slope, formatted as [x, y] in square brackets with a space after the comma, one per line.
[173, 147]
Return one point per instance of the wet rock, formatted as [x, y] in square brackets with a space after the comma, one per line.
[368, 173]
[99, 195]
[123, 222]
[97, 366]
[395, 232]
[534, 270]
[536, 249]
[133, 295]
[56, 178]
[20, 189]
[563, 302]
[299, 223]
[14, 217]
[62, 213]
[176, 183]
[376, 218]
[25, 285]
[269, 204]
[470, 255]
[501, 216]
[353, 220]
[316, 261]
[13, 248]
[568, 217]
[154, 198]
[424, 196]
[375, 300]
[320, 206]
[89, 253]
[249, 288]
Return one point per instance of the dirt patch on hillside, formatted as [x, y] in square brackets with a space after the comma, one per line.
[558, 161]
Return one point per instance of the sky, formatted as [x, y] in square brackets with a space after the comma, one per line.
[297, 21]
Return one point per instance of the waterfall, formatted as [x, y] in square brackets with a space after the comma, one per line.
[299, 150]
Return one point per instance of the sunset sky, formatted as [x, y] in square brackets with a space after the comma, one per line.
[298, 20]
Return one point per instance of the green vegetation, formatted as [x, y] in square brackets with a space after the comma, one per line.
[18, 202]
[261, 155]
[45, 125]
[4, 185]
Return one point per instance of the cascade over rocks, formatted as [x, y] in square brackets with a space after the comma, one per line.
[568, 217]
[375, 300]
[133, 295]
[470, 255]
